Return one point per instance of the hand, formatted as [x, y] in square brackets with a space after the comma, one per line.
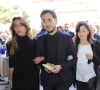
[10, 83]
[37, 60]
[48, 71]
[89, 56]
[70, 57]
[56, 69]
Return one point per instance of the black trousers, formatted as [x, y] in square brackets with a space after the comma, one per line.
[26, 85]
[98, 83]
[57, 87]
[82, 85]
[55, 83]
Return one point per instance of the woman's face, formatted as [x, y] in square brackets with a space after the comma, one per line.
[19, 27]
[83, 33]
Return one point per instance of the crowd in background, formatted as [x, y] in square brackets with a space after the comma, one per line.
[6, 35]
[4, 38]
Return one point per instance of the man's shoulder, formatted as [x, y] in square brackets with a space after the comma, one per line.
[64, 34]
[41, 36]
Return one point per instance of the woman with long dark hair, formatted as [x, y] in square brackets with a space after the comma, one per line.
[23, 73]
[88, 56]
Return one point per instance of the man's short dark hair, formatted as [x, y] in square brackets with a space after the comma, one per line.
[49, 11]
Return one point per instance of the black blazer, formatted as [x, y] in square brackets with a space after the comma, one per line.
[96, 54]
[65, 47]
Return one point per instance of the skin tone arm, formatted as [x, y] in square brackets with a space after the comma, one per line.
[11, 76]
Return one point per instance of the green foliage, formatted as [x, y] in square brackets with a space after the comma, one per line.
[26, 16]
[6, 14]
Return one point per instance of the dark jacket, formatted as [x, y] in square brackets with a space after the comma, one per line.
[96, 54]
[65, 47]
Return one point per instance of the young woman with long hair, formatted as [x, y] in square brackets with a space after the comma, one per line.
[23, 73]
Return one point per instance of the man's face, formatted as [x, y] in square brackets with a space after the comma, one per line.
[49, 22]
[66, 27]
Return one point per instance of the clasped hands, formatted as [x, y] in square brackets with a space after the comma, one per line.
[51, 68]
[55, 69]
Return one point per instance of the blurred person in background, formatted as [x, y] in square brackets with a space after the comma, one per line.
[66, 29]
[60, 28]
[2, 49]
[97, 35]
[41, 32]
[94, 32]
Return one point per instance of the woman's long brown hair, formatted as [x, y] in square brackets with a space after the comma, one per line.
[77, 40]
[14, 44]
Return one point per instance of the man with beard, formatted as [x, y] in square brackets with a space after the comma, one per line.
[56, 48]
[66, 29]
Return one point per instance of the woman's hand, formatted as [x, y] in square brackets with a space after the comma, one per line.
[89, 56]
[70, 57]
[37, 60]
[56, 69]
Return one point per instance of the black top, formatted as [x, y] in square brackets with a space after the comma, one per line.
[52, 48]
[22, 61]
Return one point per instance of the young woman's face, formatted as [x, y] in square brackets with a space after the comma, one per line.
[83, 33]
[19, 27]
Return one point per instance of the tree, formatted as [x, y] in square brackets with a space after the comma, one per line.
[6, 14]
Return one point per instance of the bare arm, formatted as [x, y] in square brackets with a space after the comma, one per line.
[11, 76]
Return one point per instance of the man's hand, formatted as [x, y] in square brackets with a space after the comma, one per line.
[48, 71]
[56, 69]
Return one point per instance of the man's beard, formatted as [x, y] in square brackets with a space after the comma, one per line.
[52, 30]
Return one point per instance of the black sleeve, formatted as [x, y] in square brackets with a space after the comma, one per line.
[11, 57]
[96, 53]
[33, 48]
[71, 50]
[40, 50]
